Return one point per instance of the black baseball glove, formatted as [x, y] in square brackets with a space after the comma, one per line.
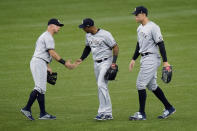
[111, 73]
[51, 78]
[166, 74]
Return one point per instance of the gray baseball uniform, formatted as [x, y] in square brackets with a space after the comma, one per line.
[41, 57]
[101, 45]
[148, 36]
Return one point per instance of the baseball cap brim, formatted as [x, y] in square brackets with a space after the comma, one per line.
[81, 26]
[134, 13]
[60, 25]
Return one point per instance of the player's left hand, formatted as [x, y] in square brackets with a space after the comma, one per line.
[111, 72]
[165, 64]
[113, 66]
[51, 77]
[166, 74]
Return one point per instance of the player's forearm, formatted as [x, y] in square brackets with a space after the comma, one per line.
[136, 54]
[162, 51]
[115, 53]
[54, 54]
[85, 53]
[115, 50]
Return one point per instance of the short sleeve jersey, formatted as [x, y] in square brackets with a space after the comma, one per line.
[148, 37]
[43, 44]
[101, 44]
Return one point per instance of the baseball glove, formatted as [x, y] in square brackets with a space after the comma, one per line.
[111, 73]
[166, 74]
[51, 78]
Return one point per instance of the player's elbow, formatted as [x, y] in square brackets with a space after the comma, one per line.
[52, 52]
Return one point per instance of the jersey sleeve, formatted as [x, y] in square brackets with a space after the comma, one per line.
[50, 44]
[86, 42]
[109, 40]
[157, 36]
[138, 29]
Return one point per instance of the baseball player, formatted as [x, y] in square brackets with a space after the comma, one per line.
[44, 52]
[149, 43]
[101, 43]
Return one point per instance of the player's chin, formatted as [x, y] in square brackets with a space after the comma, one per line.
[56, 31]
[137, 21]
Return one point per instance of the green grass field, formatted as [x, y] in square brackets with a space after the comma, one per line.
[74, 98]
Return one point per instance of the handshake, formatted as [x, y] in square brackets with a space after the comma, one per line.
[71, 66]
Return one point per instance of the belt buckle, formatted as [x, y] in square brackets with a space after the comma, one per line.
[144, 54]
[99, 61]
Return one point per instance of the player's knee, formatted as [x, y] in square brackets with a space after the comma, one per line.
[152, 87]
[140, 86]
[102, 85]
[40, 90]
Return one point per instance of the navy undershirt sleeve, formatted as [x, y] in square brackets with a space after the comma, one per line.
[136, 54]
[86, 52]
[162, 50]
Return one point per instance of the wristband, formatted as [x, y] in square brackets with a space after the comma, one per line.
[114, 59]
[62, 61]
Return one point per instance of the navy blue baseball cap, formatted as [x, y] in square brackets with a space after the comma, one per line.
[87, 22]
[140, 10]
[55, 22]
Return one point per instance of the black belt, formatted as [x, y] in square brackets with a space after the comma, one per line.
[144, 54]
[99, 61]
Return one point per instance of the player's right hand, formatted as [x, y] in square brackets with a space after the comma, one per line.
[131, 65]
[49, 69]
[78, 62]
[69, 65]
